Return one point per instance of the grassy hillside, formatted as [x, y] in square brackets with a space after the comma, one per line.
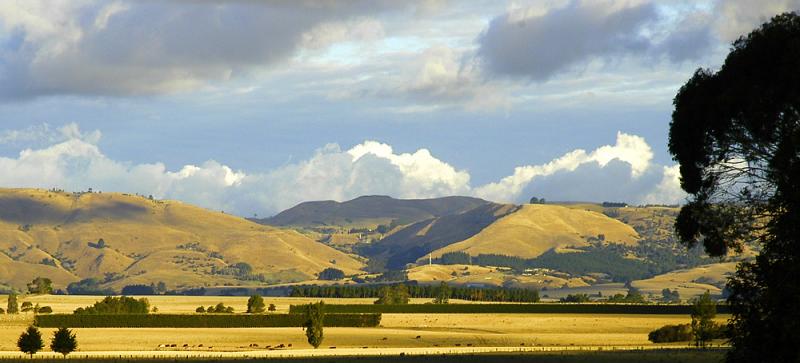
[370, 211]
[407, 244]
[536, 228]
[57, 235]
[690, 282]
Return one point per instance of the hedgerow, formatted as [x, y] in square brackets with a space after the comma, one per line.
[200, 321]
[506, 309]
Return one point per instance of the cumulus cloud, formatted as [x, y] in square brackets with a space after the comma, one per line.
[146, 47]
[629, 149]
[609, 172]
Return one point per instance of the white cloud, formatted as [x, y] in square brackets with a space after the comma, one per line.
[630, 149]
[77, 163]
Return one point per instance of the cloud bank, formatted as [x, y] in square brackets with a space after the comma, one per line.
[147, 47]
[622, 171]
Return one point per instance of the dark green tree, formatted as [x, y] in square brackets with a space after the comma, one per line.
[64, 341]
[30, 341]
[13, 306]
[442, 294]
[315, 316]
[703, 312]
[255, 304]
[331, 273]
[736, 135]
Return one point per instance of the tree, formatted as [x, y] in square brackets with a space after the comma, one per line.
[314, 316]
[671, 296]
[331, 273]
[117, 305]
[139, 289]
[64, 341]
[12, 307]
[734, 133]
[40, 285]
[26, 306]
[271, 307]
[442, 294]
[255, 304]
[30, 341]
[703, 312]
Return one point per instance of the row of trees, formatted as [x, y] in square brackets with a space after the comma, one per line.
[63, 341]
[497, 294]
[13, 306]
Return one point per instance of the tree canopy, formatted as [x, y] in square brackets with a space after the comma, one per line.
[736, 135]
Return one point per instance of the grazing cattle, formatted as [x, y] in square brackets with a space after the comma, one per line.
[173, 345]
[200, 345]
[186, 345]
[418, 337]
[458, 344]
[331, 347]
[290, 345]
[385, 338]
[469, 344]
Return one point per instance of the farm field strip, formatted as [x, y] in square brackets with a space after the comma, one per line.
[347, 352]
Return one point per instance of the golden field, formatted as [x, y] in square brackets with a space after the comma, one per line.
[396, 330]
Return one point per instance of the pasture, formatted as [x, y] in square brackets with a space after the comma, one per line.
[426, 332]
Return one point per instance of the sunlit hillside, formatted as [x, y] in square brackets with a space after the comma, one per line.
[123, 239]
[537, 228]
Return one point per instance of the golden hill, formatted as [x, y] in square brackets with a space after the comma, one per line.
[471, 275]
[537, 228]
[56, 235]
[689, 282]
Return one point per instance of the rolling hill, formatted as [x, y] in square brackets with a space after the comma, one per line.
[122, 239]
[536, 228]
[370, 211]
[407, 244]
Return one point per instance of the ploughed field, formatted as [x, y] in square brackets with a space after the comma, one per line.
[431, 331]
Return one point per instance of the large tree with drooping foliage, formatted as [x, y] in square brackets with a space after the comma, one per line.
[736, 134]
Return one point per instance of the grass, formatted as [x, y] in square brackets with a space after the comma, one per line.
[534, 229]
[142, 238]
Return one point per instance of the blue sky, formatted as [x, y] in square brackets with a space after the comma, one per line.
[252, 107]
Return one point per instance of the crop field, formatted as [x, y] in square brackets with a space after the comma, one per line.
[421, 333]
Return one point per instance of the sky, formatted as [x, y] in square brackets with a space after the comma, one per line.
[251, 107]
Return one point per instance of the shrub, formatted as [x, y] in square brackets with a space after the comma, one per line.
[26, 306]
[671, 333]
[200, 309]
[272, 307]
[44, 310]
